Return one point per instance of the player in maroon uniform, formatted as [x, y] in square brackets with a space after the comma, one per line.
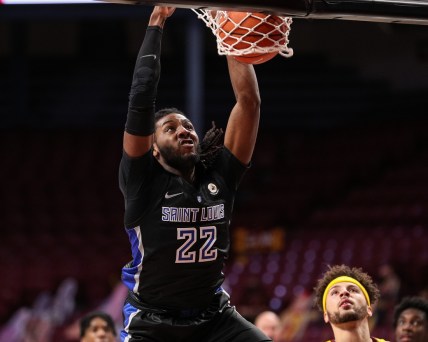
[345, 296]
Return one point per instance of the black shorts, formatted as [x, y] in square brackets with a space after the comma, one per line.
[220, 322]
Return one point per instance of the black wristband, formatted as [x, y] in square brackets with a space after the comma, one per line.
[142, 97]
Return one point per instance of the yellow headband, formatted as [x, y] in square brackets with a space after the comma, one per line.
[342, 279]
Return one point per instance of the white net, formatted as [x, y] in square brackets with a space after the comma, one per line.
[236, 36]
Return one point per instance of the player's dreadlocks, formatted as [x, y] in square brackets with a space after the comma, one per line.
[209, 147]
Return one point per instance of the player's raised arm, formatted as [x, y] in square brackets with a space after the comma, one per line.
[139, 128]
[243, 124]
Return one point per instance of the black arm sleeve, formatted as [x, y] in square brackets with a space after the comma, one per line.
[142, 98]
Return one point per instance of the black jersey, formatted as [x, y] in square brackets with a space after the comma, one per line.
[179, 232]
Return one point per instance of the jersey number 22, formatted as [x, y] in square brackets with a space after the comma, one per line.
[184, 254]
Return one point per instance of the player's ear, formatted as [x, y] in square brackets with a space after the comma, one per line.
[326, 317]
[155, 150]
[369, 311]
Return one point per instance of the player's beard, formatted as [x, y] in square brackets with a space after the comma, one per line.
[184, 164]
[350, 316]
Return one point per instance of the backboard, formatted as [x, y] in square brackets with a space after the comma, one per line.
[391, 11]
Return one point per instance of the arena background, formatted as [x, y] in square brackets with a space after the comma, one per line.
[339, 172]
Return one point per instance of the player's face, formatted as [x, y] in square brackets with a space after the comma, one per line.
[346, 303]
[412, 326]
[98, 331]
[177, 141]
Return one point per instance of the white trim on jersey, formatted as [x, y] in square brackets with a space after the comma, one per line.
[140, 265]
[126, 329]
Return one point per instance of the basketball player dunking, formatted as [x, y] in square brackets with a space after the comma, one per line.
[179, 196]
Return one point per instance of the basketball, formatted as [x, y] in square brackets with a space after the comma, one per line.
[242, 31]
[256, 58]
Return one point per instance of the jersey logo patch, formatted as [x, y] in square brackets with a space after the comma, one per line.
[213, 189]
[168, 196]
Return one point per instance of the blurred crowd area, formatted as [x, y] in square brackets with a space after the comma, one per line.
[339, 174]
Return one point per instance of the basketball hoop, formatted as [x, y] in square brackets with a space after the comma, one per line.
[235, 37]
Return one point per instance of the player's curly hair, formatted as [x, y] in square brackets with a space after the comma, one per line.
[210, 145]
[343, 270]
[417, 303]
